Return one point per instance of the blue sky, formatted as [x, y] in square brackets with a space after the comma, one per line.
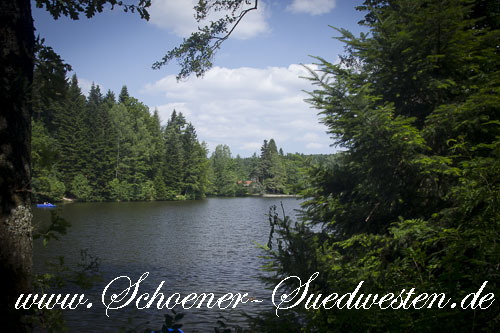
[253, 92]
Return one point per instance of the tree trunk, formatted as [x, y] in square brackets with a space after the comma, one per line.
[16, 77]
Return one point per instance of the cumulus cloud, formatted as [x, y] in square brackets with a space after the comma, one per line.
[315, 145]
[313, 7]
[178, 17]
[243, 106]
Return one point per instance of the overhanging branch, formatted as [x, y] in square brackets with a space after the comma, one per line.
[195, 53]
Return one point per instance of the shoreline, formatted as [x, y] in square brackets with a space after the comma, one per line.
[280, 195]
[65, 200]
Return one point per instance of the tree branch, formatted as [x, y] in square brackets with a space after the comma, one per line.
[195, 53]
[242, 14]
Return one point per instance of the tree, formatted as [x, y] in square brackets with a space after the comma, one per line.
[141, 153]
[224, 176]
[413, 200]
[49, 86]
[194, 165]
[271, 168]
[80, 187]
[158, 157]
[122, 125]
[71, 132]
[100, 139]
[174, 153]
[16, 73]
[124, 96]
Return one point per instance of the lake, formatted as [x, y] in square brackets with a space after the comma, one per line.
[194, 246]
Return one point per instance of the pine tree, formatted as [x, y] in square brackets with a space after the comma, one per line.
[110, 99]
[271, 168]
[100, 140]
[70, 134]
[141, 157]
[224, 176]
[190, 162]
[174, 154]
[49, 86]
[124, 96]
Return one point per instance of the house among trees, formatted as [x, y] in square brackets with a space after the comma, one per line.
[245, 183]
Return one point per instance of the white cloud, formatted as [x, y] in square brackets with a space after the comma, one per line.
[175, 16]
[243, 106]
[310, 136]
[252, 146]
[254, 23]
[178, 17]
[166, 109]
[86, 84]
[315, 145]
[313, 7]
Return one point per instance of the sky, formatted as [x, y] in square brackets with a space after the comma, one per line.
[255, 90]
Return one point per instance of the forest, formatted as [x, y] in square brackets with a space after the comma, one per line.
[103, 148]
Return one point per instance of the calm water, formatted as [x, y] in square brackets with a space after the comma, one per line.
[194, 246]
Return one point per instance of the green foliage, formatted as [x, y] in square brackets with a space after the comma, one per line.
[48, 188]
[73, 8]
[120, 190]
[295, 166]
[70, 132]
[174, 151]
[101, 148]
[43, 147]
[58, 226]
[276, 173]
[271, 172]
[413, 201]
[80, 187]
[159, 187]
[98, 149]
[147, 191]
[224, 180]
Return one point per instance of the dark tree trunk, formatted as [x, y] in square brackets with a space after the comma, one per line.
[16, 77]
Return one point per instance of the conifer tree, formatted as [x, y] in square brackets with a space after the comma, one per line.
[100, 140]
[413, 200]
[110, 99]
[224, 181]
[271, 169]
[174, 154]
[124, 96]
[70, 133]
[49, 86]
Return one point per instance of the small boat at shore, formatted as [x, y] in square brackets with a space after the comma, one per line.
[45, 205]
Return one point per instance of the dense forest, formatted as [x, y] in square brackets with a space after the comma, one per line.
[414, 200]
[100, 148]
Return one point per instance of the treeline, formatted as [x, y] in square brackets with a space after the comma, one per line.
[270, 172]
[414, 199]
[100, 147]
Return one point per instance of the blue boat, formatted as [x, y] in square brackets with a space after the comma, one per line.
[45, 205]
